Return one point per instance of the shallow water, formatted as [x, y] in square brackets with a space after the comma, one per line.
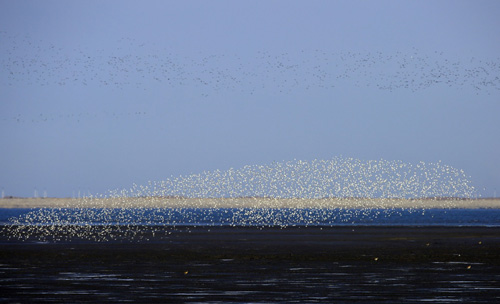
[254, 217]
[237, 281]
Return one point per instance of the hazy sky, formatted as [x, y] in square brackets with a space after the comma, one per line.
[96, 95]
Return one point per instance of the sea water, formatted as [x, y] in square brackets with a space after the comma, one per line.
[250, 216]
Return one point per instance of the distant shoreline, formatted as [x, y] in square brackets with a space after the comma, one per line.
[247, 202]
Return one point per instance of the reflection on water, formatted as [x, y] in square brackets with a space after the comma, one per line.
[254, 281]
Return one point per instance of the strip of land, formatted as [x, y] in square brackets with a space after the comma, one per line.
[246, 202]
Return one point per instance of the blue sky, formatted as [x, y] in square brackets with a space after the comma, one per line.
[97, 95]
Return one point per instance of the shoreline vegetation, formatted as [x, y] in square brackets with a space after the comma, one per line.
[249, 202]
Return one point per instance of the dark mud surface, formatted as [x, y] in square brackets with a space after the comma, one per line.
[248, 264]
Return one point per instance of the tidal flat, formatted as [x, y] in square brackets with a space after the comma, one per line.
[260, 265]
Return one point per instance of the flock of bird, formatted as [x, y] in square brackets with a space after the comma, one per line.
[26, 62]
[72, 117]
[312, 183]
[132, 64]
[337, 177]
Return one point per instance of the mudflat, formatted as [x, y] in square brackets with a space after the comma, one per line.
[354, 264]
[369, 243]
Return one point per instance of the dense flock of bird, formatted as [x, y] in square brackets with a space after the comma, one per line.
[312, 183]
[337, 177]
[130, 64]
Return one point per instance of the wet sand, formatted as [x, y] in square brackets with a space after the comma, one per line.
[160, 202]
[241, 264]
[394, 243]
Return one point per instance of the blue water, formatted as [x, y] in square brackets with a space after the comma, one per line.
[253, 217]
